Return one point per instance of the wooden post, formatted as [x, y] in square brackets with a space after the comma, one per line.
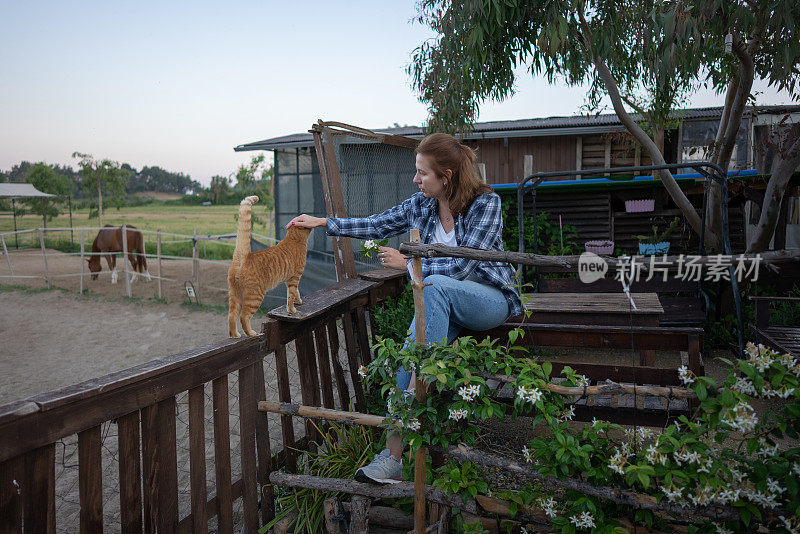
[158, 256]
[194, 253]
[421, 392]
[8, 260]
[578, 155]
[195, 266]
[44, 257]
[80, 283]
[481, 171]
[125, 259]
[527, 164]
[359, 514]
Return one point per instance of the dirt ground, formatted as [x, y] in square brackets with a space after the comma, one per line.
[64, 271]
[87, 337]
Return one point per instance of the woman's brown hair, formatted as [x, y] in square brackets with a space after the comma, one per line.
[447, 153]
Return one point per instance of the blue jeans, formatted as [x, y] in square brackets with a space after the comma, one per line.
[451, 305]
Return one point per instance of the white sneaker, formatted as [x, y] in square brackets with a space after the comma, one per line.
[383, 469]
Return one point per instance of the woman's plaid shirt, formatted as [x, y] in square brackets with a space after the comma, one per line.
[481, 227]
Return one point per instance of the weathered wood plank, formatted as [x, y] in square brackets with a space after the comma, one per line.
[167, 466]
[247, 443]
[309, 389]
[45, 427]
[600, 303]
[197, 459]
[16, 410]
[381, 275]
[11, 475]
[130, 472]
[38, 489]
[150, 460]
[206, 355]
[323, 363]
[285, 395]
[321, 301]
[361, 336]
[353, 360]
[338, 372]
[264, 448]
[185, 525]
[222, 455]
[90, 480]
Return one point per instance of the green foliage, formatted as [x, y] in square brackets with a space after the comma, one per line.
[103, 175]
[462, 478]
[726, 455]
[654, 49]
[344, 449]
[657, 237]
[44, 178]
[393, 317]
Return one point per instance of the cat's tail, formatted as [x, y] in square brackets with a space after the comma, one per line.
[243, 231]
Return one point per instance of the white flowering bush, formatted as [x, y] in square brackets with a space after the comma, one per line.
[371, 246]
[725, 455]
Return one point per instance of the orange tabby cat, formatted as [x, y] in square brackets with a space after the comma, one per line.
[252, 274]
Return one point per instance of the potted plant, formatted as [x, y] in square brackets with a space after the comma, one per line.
[640, 206]
[657, 243]
[599, 247]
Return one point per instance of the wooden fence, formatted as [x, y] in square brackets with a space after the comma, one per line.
[142, 403]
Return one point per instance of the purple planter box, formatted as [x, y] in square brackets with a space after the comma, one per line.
[639, 206]
[600, 247]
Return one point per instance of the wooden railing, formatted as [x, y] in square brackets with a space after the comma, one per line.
[142, 403]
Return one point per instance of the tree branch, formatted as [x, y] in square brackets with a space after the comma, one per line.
[773, 198]
[655, 154]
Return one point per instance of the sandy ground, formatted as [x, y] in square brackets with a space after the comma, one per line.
[64, 271]
[88, 337]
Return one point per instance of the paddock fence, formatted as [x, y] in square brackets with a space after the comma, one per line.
[58, 257]
[177, 444]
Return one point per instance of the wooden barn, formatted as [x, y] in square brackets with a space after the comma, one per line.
[378, 176]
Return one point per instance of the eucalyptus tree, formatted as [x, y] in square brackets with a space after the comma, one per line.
[647, 56]
[103, 175]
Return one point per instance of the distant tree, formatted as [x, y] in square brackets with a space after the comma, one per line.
[218, 187]
[100, 175]
[44, 178]
[157, 179]
[18, 172]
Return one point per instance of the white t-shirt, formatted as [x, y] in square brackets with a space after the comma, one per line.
[448, 239]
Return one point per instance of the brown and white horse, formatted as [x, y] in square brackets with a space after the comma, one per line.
[108, 242]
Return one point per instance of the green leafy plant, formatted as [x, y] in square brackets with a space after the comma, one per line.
[726, 455]
[343, 450]
[660, 237]
[394, 316]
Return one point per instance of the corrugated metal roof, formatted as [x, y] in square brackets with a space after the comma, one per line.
[21, 190]
[574, 125]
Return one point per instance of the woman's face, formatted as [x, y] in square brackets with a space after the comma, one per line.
[427, 181]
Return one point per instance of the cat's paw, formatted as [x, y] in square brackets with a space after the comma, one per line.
[234, 334]
[298, 300]
[292, 309]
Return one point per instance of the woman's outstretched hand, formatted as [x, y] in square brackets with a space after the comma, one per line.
[391, 257]
[307, 221]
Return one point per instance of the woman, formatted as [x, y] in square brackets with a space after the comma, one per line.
[453, 208]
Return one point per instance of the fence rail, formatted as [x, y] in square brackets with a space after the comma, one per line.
[149, 403]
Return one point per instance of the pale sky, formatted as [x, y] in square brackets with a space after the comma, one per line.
[179, 84]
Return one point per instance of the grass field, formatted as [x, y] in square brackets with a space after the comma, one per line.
[177, 219]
